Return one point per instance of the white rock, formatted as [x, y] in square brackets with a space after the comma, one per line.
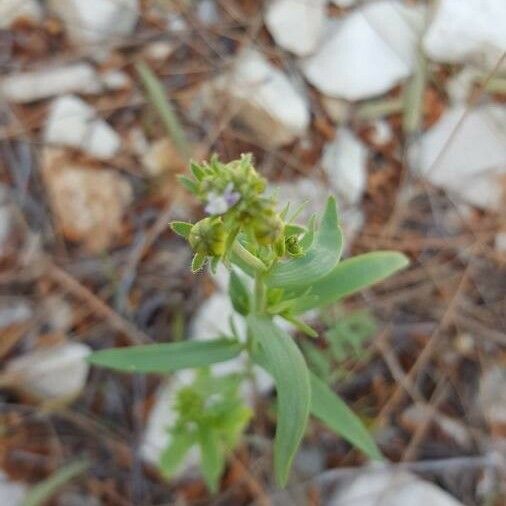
[13, 10]
[417, 416]
[371, 50]
[344, 162]
[352, 222]
[296, 25]
[500, 242]
[115, 80]
[161, 158]
[492, 397]
[53, 373]
[207, 12]
[303, 190]
[471, 31]
[56, 313]
[264, 98]
[176, 23]
[213, 318]
[96, 21]
[471, 163]
[73, 123]
[11, 493]
[30, 86]
[14, 311]
[382, 132]
[460, 86]
[159, 50]
[88, 204]
[6, 220]
[388, 488]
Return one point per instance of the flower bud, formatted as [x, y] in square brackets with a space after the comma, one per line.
[268, 228]
[208, 237]
[293, 246]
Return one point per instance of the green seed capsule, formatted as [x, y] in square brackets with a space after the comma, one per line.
[268, 228]
[208, 237]
[293, 246]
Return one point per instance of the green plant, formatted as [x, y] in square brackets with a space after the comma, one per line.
[344, 338]
[292, 269]
[211, 415]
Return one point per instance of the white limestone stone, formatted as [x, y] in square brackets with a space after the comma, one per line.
[388, 488]
[96, 21]
[344, 161]
[28, 87]
[263, 98]
[58, 372]
[12, 493]
[470, 31]
[73, 123]
[14, 10]
[296, 25]
[369, 51]
[464, 153]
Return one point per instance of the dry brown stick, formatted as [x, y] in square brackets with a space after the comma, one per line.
[401, 205]
[426, 353]
[81, 292]
[438, 397]
[253, 485]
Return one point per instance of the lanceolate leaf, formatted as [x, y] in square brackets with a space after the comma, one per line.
[330, 409]
[239, 294]
[213, 460]
[181, 228]
[157, 96]
[351, 276]
[43, 491]
[167, 357]
[319, 260]
[285, 362]
[173, 455]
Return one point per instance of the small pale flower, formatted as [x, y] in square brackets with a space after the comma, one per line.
[220, 203]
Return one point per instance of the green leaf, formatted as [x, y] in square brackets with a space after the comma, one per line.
[300, 325]
[294, 229]
[197, 171]
[174, 453]
[317, 359]
[284, 361]
[319, 260]
[308, 238]
[156, 95]
[189, 184]
[350, 276]
[198, 261]
[181, 228]
[43, 491]
[414, 92]
[348, 334]
[239, 294]
[330, 409]
[213, 460]
[167, 357]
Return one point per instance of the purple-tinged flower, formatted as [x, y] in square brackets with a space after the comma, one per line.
[220, 203]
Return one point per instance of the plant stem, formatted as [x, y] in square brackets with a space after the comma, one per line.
[254, 262]
[259, 303]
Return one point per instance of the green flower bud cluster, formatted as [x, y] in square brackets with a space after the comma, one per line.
[233, 196]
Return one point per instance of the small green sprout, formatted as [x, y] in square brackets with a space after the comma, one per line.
[211, 415]
[292, 269]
